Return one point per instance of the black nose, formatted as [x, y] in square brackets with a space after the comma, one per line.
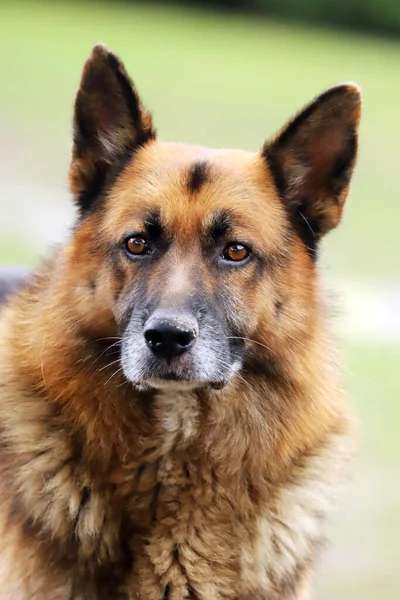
[170, 335]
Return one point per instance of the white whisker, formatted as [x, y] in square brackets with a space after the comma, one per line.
[114, 362]
[236, 337]
[308, 224]
[111, 376]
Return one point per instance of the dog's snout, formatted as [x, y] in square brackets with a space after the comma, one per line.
[170, 335]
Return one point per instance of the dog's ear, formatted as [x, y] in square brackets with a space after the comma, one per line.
[312, 160]
[109, 123]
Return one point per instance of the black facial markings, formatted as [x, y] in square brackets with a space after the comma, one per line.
[216, 233]
[152, 222]
[220, 225]
[153, 234]
[220, 230]
[199, 174]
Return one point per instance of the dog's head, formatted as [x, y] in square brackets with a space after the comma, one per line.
[201, 260]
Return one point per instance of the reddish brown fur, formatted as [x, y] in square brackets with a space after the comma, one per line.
[107, 492]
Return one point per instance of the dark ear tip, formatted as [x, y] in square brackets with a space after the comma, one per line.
[352, 88]
[101, 60]
[348, 93]
[99, 50]
[349, 90]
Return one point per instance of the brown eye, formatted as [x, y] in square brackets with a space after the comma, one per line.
[136, 245]
[236, 252]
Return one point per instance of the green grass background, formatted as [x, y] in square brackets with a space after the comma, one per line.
[228, 81]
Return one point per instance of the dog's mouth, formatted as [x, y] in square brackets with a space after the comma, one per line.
[169, 378]
[179, 383]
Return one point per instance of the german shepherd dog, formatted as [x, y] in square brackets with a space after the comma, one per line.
[172, 423]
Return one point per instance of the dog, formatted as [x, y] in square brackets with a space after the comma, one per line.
[172, 420]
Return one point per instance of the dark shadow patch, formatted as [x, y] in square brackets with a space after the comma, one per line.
[85, 498]
[191, 594]
[278, 307]
[199, 174]
[266, 368]
[344, 164]
[118, 271]
[308, 230]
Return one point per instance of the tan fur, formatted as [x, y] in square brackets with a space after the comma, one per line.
[111, 492]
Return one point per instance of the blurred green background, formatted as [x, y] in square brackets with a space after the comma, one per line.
[225, 78]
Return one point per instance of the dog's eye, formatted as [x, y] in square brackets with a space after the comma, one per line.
[236, 252]
[135, 245]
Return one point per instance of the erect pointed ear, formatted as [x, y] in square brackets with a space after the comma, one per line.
[312, 160]
[110, 122]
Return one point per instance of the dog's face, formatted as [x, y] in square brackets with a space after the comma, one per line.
[201, 260]
[191, 255]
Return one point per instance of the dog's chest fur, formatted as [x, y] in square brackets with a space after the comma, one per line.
[170, 518]
[197, 533]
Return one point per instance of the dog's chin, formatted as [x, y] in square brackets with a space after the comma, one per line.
[177, 379]
[177, 385]
[160, 383]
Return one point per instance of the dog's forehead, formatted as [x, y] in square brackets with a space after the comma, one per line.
[191, 184]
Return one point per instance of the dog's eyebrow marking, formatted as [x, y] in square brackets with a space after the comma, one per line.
[220, 225]
[198, 175]
[152, 222]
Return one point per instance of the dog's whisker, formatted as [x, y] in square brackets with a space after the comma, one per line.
[246, 339]
[113, 374]
[236, 373]
[114, 362]
[105, 350]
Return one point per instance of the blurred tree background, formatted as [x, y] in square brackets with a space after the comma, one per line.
[381, 16]
[229, 74]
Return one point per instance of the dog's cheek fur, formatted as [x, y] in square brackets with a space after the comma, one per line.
[91, 278]
[275, 309]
